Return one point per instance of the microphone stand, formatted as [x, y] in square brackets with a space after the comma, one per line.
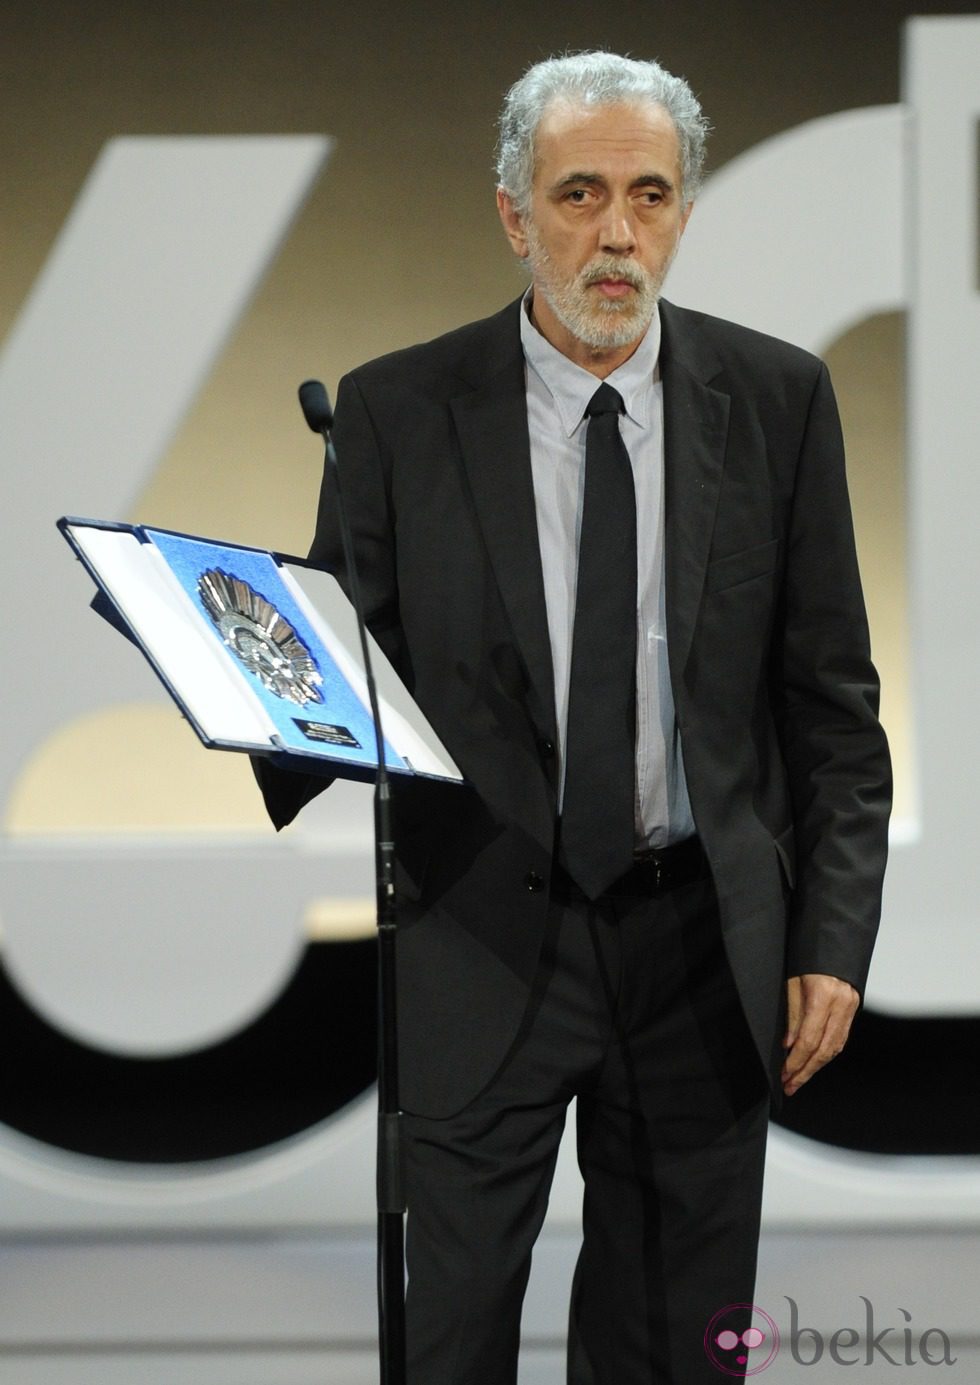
[390, 1197]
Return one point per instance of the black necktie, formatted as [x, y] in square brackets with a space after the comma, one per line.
[598, 807]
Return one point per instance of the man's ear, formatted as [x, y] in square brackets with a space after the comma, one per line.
[513, 224]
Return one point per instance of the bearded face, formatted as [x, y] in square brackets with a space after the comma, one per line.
[589, 303]
[605, 215]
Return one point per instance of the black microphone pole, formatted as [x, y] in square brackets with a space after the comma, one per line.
[391, 1206]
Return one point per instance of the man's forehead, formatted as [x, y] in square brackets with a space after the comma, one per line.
[571, 130]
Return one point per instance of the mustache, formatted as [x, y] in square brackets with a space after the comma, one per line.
[609, 267]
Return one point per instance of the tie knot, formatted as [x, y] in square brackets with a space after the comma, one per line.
[606, 400]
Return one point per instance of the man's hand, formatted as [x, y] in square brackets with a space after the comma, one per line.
[821, 1009]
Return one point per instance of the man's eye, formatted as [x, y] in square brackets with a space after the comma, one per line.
[577, 195]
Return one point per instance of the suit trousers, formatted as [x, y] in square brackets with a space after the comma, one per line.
[635, 1014]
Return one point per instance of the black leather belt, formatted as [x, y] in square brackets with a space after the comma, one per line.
[655, 870]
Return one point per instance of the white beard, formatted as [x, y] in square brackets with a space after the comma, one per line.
[601, 323]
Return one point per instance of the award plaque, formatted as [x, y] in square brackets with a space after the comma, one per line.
[260, 651]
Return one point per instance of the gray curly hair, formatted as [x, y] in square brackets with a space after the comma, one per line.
[593, 79]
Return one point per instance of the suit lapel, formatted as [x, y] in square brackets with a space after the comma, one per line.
[491, 424]
[695, 437]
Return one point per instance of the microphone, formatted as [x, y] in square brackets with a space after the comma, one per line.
[315, 403]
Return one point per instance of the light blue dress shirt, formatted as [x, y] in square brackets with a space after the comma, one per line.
[557, 394]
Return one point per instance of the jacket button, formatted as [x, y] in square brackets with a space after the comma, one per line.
[546, 749]
[534, 882]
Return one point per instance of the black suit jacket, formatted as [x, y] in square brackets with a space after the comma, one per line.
[775, 693]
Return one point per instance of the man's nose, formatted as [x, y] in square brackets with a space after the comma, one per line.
[616, 231]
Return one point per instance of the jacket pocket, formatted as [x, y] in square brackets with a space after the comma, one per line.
[742, 566]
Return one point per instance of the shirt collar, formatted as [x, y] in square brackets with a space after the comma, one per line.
[571, 386]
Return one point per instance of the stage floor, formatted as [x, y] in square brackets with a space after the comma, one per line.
[299, 1310]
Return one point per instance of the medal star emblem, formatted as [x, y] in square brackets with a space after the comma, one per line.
[260, 637]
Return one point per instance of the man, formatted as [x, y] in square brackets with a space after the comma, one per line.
[607, 543]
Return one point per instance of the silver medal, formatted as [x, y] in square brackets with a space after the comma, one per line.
[261, 638]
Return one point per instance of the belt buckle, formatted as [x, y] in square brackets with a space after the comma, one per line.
[655, 869]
